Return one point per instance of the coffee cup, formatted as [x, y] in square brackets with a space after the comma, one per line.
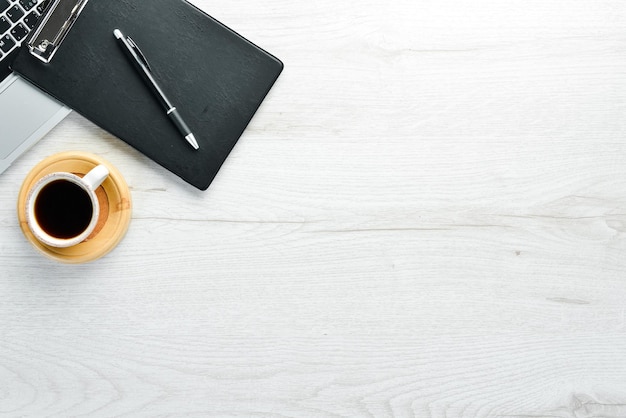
[62, 209]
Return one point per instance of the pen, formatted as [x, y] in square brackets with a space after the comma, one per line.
[141, 63]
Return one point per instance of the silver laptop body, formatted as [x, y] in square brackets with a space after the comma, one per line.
[26, 113]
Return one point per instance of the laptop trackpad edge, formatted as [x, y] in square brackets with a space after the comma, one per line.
[24, 109]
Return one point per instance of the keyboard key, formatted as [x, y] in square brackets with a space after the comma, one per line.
[27, 4]
[19, 32]
[4, 4]
[4, 24]
[31, 20]
[15, 13]
[6, 43]
[42, 6]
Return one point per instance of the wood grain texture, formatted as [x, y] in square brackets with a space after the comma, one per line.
[426, 217]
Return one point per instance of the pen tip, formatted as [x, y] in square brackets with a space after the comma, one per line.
[118, 34]
[192, 140]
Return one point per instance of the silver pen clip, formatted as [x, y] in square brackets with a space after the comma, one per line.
[54, 26]
[140, 54]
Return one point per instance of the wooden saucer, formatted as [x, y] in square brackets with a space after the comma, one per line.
[115, 207]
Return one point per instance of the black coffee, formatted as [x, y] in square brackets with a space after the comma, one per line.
[63, 209]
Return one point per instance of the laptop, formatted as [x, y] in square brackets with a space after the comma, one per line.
[26, 113]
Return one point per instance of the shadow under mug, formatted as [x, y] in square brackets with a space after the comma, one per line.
[62, 209]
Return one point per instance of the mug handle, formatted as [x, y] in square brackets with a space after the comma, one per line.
[95, 177]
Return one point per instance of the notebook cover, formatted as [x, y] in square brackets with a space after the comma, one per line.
[214, 77]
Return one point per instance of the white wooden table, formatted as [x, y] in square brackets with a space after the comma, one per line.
[427, 217]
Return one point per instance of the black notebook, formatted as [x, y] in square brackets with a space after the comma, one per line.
[214, 77]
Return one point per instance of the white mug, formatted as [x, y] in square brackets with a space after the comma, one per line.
[62, 209]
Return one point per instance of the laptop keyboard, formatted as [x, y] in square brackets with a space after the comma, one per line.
[17, 19]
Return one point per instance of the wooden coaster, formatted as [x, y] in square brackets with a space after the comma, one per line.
[115, 207]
